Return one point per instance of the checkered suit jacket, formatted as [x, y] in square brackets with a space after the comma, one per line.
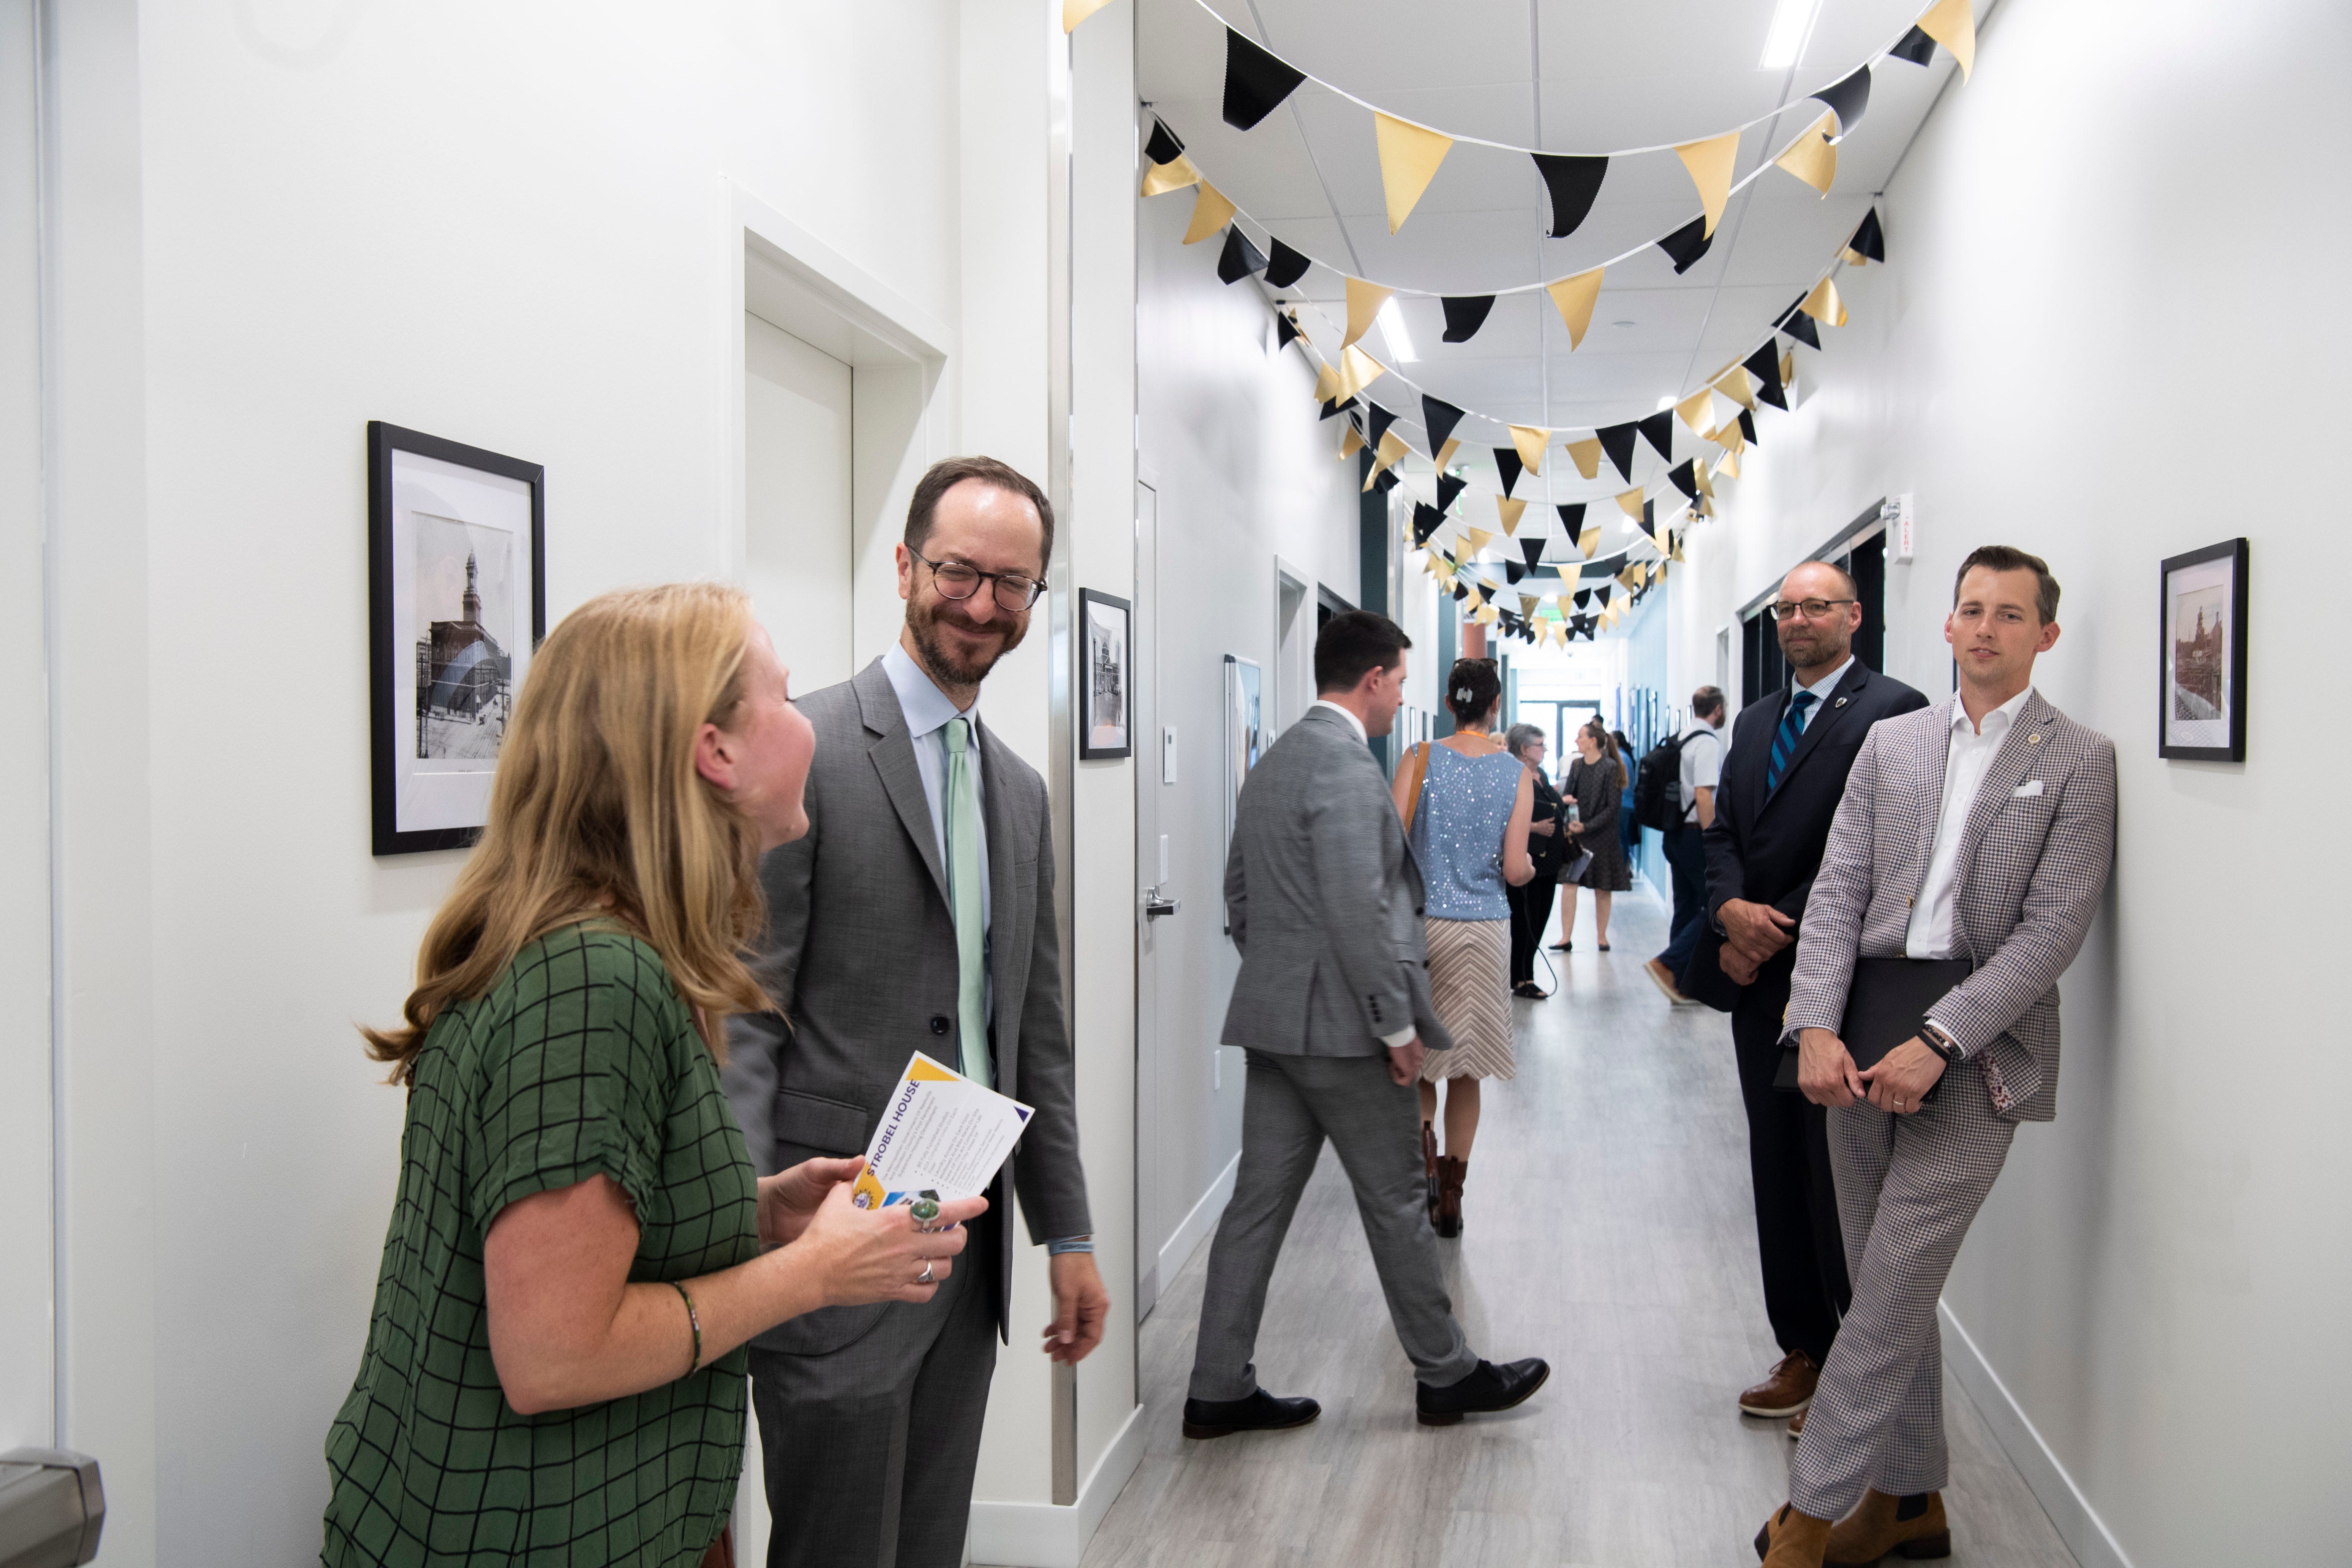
[2032, 869]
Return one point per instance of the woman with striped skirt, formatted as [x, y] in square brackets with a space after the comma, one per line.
[1467, 803]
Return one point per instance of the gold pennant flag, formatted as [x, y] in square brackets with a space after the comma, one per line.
[1473, 599]
[1510, 510]
[1173, 176]
[1211, 213]
[1728, 437]
[1358, 370]
[1631, 577]
[1788, 370]
[1528, 603]
[1631, 501]
[1812, 157]
[1410, 154]
[1364, 303]
[1678, 547]
[1823, 304]
[1953, 24]
[1696, 409]
[1077, 11]
[1574, 296]
[1590, 539]
[1390, 452]
[1734, 383]
[1709, 163]
[1586, 455]
[1531, 442]
[1730, 463]
[1326, 382]
[1351, 444]
[1446, 453]
[1700, 477]
[1488, 615]
[1477, 538]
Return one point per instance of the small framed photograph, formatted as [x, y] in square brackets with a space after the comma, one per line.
[2203, 660]
[457, 602]
[1105, 671]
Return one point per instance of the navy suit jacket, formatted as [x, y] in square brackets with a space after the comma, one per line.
[1765, 846]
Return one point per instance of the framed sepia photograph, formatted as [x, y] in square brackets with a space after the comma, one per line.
[457, 602]
[2203, 686]
[1106, 675]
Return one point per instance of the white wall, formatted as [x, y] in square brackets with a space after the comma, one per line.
[2107, 332]
[507, 225]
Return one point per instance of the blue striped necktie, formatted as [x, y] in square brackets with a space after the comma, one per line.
[1784, 740]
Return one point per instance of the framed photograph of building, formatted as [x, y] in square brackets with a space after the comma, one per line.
[2203, 663]
[1105, 675]
[457, 602]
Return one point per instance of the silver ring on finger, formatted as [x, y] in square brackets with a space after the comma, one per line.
[925, 1277]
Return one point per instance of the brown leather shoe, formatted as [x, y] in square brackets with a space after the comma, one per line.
[1451, 1173]
[1909, 1527]
[1793, 1540]
[1797, 1423]
[1664, 978]
[1786, 1389]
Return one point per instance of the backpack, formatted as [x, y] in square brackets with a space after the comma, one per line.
[1657, 788]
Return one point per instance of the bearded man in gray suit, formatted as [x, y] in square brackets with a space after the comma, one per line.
[917, 914]
[1324, 899]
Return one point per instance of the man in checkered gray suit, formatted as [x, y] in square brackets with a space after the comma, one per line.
[1981, 828]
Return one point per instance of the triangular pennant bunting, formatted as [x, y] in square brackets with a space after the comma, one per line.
[1573, 183]
[1380, 418]
[1364, 303]
[1446, 453]
[1748, 427]
[1617, 440]
[1684, 475]
[1506, 467]
[1698, 411]
[1163, 146]
[1358, 370]
[1448, 486]
[1869, 241]
[1438, 417]
[1410, 154]
[1823, 304]
[1812, 157]
[1574, 297]
[1283, 266]
[1914, 45]
[1077, 11]
[1764, 367]
[1173, 176]
[1240, 258]
[1798, 326]
[1571, 517]
[1629, 502]
[1687, 244]
[1710, 164]
[1286, 330]
[1426, 519]
[1586, 455]
[1953, 24]
[1510, 511]
[1210, 212]
[1464, 314]
[1530, 443]
[1658, 430]
[1847, 98]
[1733, 383]
[1255, 82]
[1533, 550]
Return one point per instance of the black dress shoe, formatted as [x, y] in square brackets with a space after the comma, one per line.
[1261, 1412]
[1531, 991]
[1489, 1388]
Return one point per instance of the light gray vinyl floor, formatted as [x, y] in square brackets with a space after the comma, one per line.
[1608, 1227]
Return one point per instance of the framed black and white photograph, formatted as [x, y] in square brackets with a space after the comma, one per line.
[2202, 684]
[457, 602]
[1105, 671]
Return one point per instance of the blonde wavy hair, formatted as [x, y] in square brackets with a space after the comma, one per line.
[598, 813]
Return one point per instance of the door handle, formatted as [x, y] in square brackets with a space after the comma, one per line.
[1154, 906]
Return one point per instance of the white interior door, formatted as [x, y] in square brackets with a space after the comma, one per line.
[798, 547]
[1150, 857]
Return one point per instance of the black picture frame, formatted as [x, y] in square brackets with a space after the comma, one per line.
[2202, 718]
[1104, 648]
[394, 663]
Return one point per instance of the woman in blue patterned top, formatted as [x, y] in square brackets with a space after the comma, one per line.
[1467, 802]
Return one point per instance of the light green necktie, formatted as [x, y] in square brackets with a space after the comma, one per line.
[965, 901]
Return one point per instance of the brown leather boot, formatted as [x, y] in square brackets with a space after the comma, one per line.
[1793, 1540]
[1912, 1527]
[1428, 1167]
[1450, 1175]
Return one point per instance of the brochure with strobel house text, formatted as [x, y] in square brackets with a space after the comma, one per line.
[941, 1133]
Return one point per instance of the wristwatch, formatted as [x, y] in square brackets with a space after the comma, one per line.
[1940, 1041]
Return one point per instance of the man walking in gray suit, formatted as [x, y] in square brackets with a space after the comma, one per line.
[1324, 900]
[1981, 830]
[917, 914]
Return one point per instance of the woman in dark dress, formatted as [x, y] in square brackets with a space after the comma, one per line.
[1596, 781]
[1547, 845]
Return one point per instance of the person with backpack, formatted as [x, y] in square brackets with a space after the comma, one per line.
[1688, 766]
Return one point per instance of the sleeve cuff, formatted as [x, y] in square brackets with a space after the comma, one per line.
[1060, 1245]
[1401, 1037]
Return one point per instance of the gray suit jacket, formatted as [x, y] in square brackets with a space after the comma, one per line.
[2032, 869]
[860, 958]
[1324, 898]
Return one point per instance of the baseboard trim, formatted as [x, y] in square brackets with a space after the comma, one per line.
[2079, 1524]
[1189, 1235]
[1045, 1535]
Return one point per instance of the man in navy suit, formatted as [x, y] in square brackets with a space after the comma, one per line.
[1781, 782]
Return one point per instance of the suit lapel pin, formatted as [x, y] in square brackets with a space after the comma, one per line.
[1839, 703]
[2033, 740]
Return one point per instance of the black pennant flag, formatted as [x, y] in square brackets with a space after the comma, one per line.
[1602, 594]
[1571, 518]
[1287, 266]
[1747, 427]
[1513, 570]
[1533, 550]
[1255, 82]
[1426, 519]
[1381, 419]
[1164, 147]
[1573, 183]
[1464, 314]
[1448, 486]
[1849, 99]
[1335, 405]
[1240, 258]
[1650, 516]
[1583, 598]
[1286, 331]
[1869, 239]
[1763, 367]
[1914, 45]
[1617, 440]
[1685, 478]
[1507, 465]
[1460, 590]
[1658, 430]
[1687, 244]
[1439, 418]
[1799, 326]
[1386, 482]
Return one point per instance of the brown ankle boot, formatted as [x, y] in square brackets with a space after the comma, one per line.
[1429, 1168]
[1907, 1527]
[1793, 1540]
[1450, 1175]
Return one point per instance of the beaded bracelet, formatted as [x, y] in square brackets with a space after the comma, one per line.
[694, 1320]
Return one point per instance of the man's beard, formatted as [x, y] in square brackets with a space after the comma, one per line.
[923, 619]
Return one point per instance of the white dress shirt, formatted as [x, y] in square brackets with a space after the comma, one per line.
[1401, 1036]
[1821, 690]
[1972, 749]
[927, 710]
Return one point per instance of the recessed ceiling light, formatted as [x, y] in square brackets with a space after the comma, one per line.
[1392, 329]
[1784, 41]
[1621, 323]
[1666, 403]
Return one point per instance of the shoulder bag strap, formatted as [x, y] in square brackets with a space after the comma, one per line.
[1420, 755]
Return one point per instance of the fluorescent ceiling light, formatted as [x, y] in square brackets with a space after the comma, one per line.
[1784, 41]
[1392, 329]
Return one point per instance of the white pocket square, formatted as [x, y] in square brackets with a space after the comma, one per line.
[2029, 789]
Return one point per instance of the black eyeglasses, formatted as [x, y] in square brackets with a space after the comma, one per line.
[1812, 609]
[958, 581]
